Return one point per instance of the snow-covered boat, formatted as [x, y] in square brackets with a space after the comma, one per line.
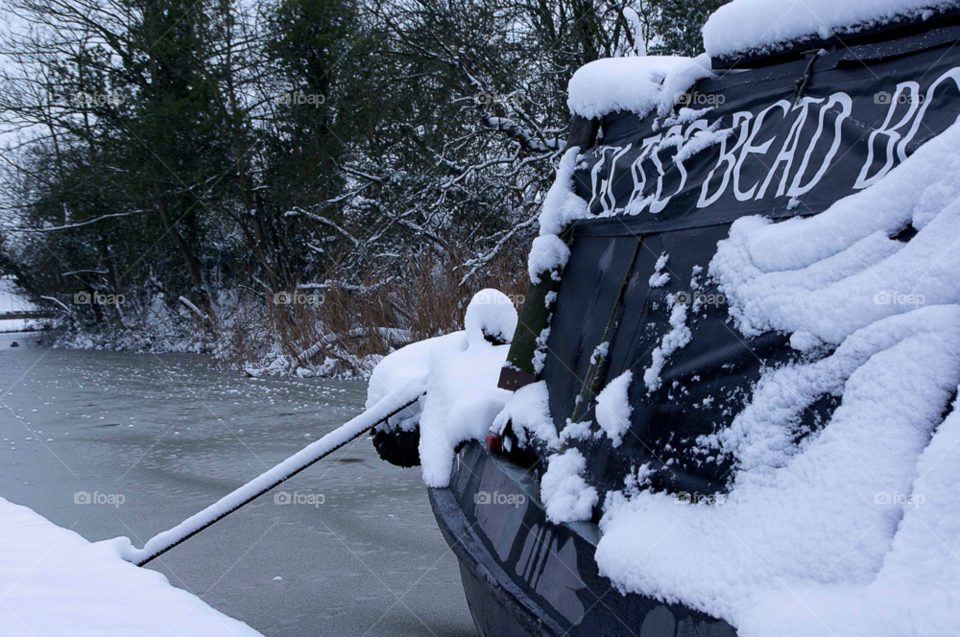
[732, 380]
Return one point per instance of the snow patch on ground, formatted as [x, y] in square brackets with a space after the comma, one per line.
[57, 583]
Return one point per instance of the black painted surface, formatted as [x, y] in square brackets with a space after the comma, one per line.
[525, 576]
[707, 383]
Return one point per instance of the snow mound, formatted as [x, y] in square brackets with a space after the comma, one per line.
[614, 408]
[462, 401]
[459, 373]
[839, 271]
[57, 583]
[562, 206]
[491, 313]
[547, 254]
[767, 25]
[566, 495]
[406, 368]
[637, 85]
[851, 525]
[528, 412]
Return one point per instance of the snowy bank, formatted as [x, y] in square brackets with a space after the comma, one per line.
[54, 582]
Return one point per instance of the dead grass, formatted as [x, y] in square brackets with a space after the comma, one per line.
[424, 298]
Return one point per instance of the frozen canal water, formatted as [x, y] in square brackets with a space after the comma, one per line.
[171, 435]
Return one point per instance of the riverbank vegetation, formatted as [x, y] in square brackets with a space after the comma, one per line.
[292, 186]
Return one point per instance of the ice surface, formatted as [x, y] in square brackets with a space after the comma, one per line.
[394, 397]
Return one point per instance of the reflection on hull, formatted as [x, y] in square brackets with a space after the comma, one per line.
[525, 576]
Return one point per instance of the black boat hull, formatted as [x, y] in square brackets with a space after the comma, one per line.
[523, 575]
